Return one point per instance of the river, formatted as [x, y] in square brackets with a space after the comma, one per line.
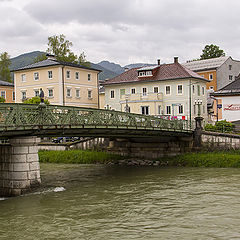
[98, 202]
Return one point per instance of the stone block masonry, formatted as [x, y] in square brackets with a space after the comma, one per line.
[19, 166]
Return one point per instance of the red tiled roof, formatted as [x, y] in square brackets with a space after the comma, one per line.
[162, 72]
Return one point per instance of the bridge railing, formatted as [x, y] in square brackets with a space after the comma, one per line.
[27, 116]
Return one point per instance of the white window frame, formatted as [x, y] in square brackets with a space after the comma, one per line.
[23, 77]
[3, 94]
[36, 76]
[145, 107]
[168, 107]
[89, 96]
[211, 87]
[77, 75]
[68, 74]
[77, 95]
[50, 96]
[112, 94]
[203, 91]
[50, 74]
[89, 77]
[180, 107]
[132, 90]
[179, 93]
[144, 93]
[24, 91]
[210, 76]
[69, 90]
[230, 77]
[166, 90]
[156, 87]
[35, 91]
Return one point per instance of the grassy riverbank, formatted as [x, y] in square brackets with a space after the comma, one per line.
[204, 159]
[77, 156]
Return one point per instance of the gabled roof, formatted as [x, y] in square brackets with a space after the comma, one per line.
[232, 88]
[3, 83]
[51, 62]
[162, 72]
[212, 63]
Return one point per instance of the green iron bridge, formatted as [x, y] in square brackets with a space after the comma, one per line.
[52, 120]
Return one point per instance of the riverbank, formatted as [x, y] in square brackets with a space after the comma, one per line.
[200, 159]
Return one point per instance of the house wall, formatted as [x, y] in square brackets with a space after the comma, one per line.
[102, 101]
[8, 93]
[59, 75]
[223, 72]
[230, 108]
[206, 74]
[153, 100]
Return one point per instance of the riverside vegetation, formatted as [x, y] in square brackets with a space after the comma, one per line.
[199, 159]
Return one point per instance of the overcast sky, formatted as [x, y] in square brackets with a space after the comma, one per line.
[122, 31]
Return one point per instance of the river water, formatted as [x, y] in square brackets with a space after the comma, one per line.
[113, 202]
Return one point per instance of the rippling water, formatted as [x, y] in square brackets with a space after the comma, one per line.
[112, 202]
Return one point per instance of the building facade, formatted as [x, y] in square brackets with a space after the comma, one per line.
[62, 83]
[7, 91]
[167, 89]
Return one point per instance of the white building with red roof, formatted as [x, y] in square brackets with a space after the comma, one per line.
[164, 89]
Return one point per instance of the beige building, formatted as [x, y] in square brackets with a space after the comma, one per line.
[62, 83]
[164, 89]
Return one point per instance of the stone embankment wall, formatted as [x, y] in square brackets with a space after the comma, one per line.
[86, 144]
[220, 141]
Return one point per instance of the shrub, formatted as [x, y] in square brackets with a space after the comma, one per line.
[35, 100]
[220, 126]
[2, 100]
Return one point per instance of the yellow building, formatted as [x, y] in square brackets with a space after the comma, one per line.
[62, 83]
[7, 91]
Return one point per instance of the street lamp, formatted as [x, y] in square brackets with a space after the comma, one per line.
[198, 102]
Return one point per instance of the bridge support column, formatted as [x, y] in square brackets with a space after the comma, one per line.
[19, 166]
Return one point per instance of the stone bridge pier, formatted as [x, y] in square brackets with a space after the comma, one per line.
[19, 166]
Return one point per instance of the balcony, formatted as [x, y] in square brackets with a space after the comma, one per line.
[141, 97]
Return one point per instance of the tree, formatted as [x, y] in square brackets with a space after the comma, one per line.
[35, 100]
[82, 60]
[2, 100]
[60, 47]
[211, 51]
[40, 58]
[5, 62]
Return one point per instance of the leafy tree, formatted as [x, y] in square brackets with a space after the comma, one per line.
[5, 62]
[82, 60]
[211, 51]
[40, 58]
[2, 100]
[60, 47]
[35, 100]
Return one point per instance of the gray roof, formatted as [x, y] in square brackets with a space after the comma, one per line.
[3, 83]
[50, 62]
[212, 63]
[232, 88]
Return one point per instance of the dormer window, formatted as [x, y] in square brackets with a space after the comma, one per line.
[144, 73]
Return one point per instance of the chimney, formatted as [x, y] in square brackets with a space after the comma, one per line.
[126, 69]
[158, 62]
[50, 56]
[175, 59]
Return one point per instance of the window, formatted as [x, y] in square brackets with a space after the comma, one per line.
[68, 74]
[155, 89]
[180, 109]
[168, 90]
[133, 90]
[50, 74]
[112, 94]
[77, 75]
[230, 77]
[122, 92]
[89, 94]
[145, 110]
[77, 93]
[23, 76]
[24, 95]
[230, 67]
[210, 77]
[36, 76]
[159, 109]
[211, 87]
[3, 94]
[36, 93]
[13, 96]
[180, 89]
[69, 94]
[203, 90]
[193, 89]
[144, 91]
[50, 92]
[145, 73]
[198, 90]
[168, 109]
[89, 77]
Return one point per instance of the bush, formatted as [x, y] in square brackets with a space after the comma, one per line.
[2, 100]
[35, 100]
[220, 126]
